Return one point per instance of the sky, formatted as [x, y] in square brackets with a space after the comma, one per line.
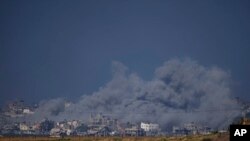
[65, 48]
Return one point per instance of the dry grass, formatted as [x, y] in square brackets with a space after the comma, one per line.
[213, 137]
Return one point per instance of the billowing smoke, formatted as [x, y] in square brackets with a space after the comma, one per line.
[49, 108]
[181, 91]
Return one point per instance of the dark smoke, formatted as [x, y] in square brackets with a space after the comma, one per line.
[181, 91]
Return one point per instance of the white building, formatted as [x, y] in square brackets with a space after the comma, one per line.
[27, 111]
[149, 127]
[23, 127]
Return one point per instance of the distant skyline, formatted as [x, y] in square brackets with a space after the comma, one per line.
[63, 48]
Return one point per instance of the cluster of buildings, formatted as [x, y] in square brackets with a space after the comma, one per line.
[191, 129]
[18, 109]
[97, 125]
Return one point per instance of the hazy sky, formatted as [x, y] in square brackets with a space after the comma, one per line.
[58, 48]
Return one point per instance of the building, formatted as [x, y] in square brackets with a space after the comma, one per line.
[23, 127]
[27, 111]
[151, 129]
[134, 131]
[149, 126]
[191, 129]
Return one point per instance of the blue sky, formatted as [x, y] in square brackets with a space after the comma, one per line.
[63, 48]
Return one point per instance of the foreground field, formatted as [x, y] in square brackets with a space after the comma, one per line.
[213, 137]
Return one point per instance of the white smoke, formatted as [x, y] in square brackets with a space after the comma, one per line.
[181, 91]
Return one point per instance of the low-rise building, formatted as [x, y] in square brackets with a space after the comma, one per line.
[23, 127]
[151, 129]
[149, 126]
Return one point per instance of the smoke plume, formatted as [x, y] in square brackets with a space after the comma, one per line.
[180, 91]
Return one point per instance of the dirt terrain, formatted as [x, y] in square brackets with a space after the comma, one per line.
[212, 137]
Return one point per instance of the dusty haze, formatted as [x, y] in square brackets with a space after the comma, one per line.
[181, 91]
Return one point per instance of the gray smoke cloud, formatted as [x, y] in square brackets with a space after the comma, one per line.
[49, 108]
[181, 91]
